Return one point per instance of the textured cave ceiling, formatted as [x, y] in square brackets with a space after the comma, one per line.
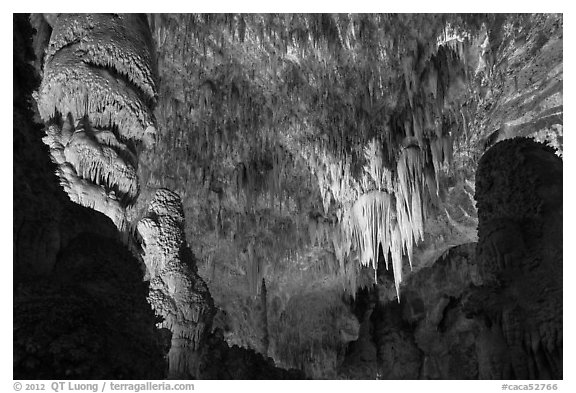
[317, 155]
[305, 146]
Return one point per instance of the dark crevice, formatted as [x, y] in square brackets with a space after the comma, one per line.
[446, 320]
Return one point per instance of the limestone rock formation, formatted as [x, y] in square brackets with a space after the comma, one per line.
[177, 293]
[523, 84]
[121, 43]
[425, 336]
[326, 165]
[79, 300]
[96, 98]
[220, 361]
[491, 310]
[519, 255]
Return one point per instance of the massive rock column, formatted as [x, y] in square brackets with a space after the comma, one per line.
[519, 255]
[97, 95]
[177, 292]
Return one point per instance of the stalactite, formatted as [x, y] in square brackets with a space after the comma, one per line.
[264, 306]
[369, 226]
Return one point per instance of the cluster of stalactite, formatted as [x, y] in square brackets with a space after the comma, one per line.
[387, 204]
[253, 263]
[391, 215]
[261, 93]
[241, 83]
[264, 175]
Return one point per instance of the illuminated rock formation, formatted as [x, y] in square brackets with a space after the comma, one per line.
[96, 98]
[177, 293]
[79, 300]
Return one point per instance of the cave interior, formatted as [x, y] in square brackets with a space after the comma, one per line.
[288, 196]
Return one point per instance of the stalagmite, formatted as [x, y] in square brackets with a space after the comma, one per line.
[177, 293]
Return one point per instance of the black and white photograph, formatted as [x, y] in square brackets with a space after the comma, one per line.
[294, 196]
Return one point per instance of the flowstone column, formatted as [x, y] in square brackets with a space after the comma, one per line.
[519, 256]
[96, 98]
[177, 293]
